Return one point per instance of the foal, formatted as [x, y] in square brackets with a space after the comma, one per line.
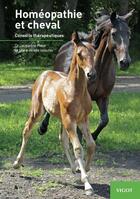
[66, 97]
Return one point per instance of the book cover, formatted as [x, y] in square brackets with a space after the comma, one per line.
[92, 45]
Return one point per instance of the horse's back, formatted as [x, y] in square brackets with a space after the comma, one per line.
[65, 46]
[46, 78]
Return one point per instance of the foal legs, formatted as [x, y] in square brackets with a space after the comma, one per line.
[36, 111]
[71, 128]
[90, 144]
[66, 146]
[78, 152]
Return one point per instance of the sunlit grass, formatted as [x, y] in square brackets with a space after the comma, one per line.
[134, 69]
[13, 74]
[121, 134]
[12, 119]
[31, 172]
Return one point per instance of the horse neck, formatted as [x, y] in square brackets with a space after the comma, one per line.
[77, 75]
[103, 55]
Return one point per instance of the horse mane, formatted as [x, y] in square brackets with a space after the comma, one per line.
[83, 36]
[73, 61]
[103, 20]
[66, 51]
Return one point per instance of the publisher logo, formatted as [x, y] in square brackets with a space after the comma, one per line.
[125, 190]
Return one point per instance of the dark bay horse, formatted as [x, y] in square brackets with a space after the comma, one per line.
[114, 41]
[67, 98]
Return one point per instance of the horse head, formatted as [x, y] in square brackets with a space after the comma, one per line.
[85, 55]
[119, 36]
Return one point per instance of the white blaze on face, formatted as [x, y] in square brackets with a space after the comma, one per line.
[122, 51]
[87, 70]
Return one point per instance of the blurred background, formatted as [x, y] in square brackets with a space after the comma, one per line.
[118, 146]
[11, 60]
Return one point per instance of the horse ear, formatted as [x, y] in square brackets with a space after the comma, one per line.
[90, 37]
[75, 37]
[129, 14]
[113, 17]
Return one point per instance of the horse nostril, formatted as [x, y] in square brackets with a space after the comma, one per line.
[91, 75]
[124, 64]
[121, 62]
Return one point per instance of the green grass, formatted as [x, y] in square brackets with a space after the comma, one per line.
[13, 74]
[40, 189]
[31, 172]
[12, 119]
[122, 133]
[57, 172]
[134, 69]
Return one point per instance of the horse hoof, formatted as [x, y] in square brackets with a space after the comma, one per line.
[16, 165]
[89, 192]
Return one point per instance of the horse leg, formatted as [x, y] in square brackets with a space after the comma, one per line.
[71, 128]
[90, 144]
[78, 152]
[79, 133]
[44, 125]
[103, 107]
[66, 146]
[37, 110]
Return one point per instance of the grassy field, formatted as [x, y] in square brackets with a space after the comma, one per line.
[122, 133]
[13, 74]
[134, 69]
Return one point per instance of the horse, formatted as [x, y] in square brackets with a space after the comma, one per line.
[113, 41]
[66, 97]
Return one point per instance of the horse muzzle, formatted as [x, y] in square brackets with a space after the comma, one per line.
[124, 64]
[92, 76]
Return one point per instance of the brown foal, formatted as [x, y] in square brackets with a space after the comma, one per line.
[66, 97]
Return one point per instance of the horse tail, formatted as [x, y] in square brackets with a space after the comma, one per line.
[44, 125]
